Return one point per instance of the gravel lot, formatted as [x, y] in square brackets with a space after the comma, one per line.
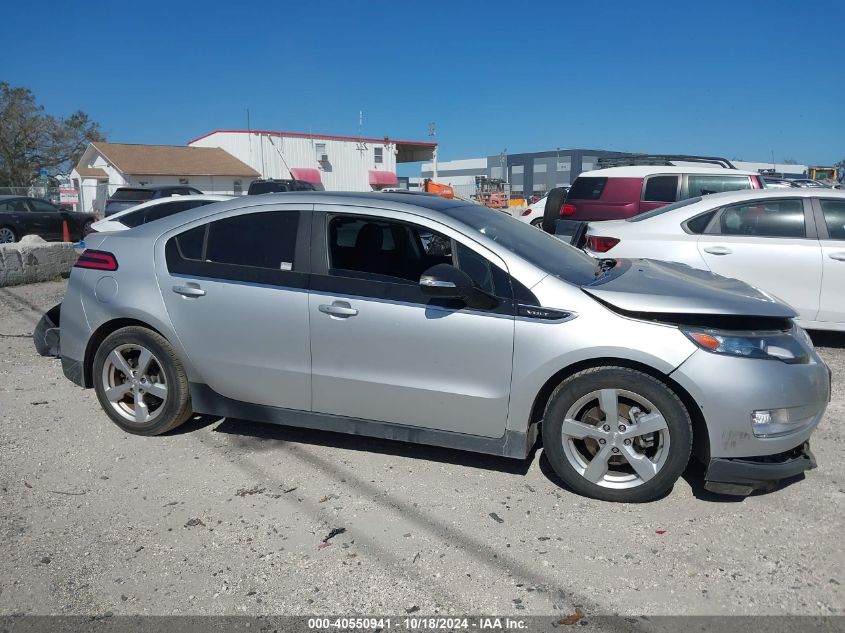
[227, 517]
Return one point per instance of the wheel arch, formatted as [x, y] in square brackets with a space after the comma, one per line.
[701, 438]
[100, 335]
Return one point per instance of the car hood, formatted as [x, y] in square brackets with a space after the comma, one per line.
[645, 285]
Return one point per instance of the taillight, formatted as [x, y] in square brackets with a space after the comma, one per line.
[601, 244]
[526, 212]
[96, 260]
[567, 209]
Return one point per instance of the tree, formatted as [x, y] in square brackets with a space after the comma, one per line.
[31, 139]
[789, 161]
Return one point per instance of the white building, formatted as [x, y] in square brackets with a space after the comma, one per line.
[338, 163]
[104, 167]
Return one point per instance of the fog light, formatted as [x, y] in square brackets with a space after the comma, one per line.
[777, 422]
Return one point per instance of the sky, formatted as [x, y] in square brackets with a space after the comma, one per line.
[744, 80]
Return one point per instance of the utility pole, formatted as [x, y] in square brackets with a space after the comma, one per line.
[432, 134]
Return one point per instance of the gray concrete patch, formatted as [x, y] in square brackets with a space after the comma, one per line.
[231, 517]
[32, 260]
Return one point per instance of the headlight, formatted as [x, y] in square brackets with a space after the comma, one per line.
[782, 346]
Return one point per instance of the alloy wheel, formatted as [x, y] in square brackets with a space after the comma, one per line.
[615, 438]
[7, 236]
[134, 383]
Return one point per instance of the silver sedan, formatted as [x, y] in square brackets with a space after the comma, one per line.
[439, 322]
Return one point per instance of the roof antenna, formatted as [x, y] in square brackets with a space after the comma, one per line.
[279, 152]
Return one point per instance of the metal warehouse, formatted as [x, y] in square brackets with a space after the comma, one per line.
[335, 163]
[535, 173]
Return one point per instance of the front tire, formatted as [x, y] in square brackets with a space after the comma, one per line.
[140, 382]
[617, 434]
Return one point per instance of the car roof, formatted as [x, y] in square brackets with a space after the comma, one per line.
[435, 207]
[640, 171]
[214, 197]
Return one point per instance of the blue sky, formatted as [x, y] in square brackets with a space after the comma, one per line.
[739, 79]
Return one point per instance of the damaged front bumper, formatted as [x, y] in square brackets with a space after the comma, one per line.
[743, 475]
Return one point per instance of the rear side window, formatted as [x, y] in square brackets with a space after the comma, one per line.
[133, 194]
[586, 188]
[699, 223]
[764, 218]
[661, 189]
[834, 217]
[702, 185]
[265, 240]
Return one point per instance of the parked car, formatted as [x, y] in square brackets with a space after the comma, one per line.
[790, 243]
[616, 193]
[274, 185]
[126, 197]
[154, 210]
[20, 215]
[434, 321]
[779, 183]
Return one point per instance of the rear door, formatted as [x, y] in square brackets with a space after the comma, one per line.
[771, 244]
[384, 351]
[831, 220]
[235, 288]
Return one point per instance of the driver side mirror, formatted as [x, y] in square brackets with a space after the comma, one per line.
[444, 281]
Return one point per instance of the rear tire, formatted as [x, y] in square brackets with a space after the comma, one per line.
[140, 382]
[7, 235]
[636, 453]
[537, 223]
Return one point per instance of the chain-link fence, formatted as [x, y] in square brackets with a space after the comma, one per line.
[64, 197]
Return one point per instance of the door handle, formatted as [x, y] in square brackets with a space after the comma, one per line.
[840, 256]
[718, 250]
[338, 309]
[191, 290]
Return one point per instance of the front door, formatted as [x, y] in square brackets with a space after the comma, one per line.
[832, 299]
[766, 243]
[382, 350]
[235, 289]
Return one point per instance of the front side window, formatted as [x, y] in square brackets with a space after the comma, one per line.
[702, 185]
[398, 252]
[251, 247]
[661, 189]
[764, 218]
[834, 217]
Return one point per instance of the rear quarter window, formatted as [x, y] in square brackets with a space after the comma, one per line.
[587, 188]
[661, 189]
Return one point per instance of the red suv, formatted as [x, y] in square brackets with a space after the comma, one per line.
[617, 193]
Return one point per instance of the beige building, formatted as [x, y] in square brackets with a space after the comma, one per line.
[106, 166]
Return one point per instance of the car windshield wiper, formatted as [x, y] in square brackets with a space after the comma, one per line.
[603, 266]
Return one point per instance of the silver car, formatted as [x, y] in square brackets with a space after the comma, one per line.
[435, 321]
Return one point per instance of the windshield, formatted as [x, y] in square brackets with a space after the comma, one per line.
[662, 210]
[536, 247]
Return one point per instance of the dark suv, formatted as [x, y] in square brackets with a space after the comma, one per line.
[273, 185]
[125, 197]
